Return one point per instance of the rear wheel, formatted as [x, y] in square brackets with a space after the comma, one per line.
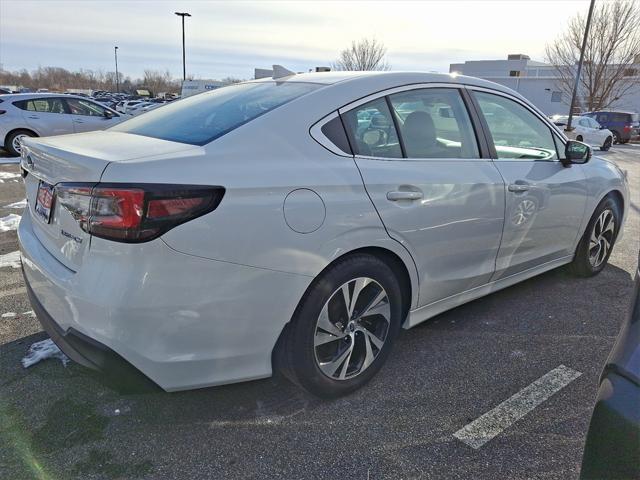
[606, 145]
[12, 142]
[343, 329]
[616, 137]
[597, 242]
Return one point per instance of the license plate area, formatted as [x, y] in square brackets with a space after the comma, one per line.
[44, 201]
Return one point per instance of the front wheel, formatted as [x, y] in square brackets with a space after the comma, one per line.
[343, 329]
[616, 137]
[597, 242]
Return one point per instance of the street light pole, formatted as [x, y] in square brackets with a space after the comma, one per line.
[115, 52]
[184, 67]
[575, 86]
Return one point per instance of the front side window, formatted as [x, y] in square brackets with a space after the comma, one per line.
[517, 133]
[202, 118]
[84, 107]
[434, 123]
[372, 131]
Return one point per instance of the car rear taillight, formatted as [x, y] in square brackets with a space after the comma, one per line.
[627, 128]
[135, 213]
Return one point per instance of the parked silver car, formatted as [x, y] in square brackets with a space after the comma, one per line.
[300, 222]
[45, 114]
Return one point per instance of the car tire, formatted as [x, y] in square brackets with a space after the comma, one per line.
[325, 349]
[616, 137]
[10, 140]
[597, 242]
[579, 138]
[606, 145]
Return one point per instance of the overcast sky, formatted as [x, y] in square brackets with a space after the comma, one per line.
[230, 38]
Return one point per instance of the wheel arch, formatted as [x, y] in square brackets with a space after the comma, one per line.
[14, 130]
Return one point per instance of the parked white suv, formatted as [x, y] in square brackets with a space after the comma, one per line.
[299, 223]
[45, 114]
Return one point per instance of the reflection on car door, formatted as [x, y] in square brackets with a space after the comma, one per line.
[421, 164]
[545, 200]
[88, 116]
[46, 116]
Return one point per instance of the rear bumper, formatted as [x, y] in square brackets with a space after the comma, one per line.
[87, 351]
[183, 321]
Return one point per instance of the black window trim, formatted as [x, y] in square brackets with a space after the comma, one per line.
[553, 129]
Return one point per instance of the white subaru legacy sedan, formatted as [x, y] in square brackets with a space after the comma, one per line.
[298, 223]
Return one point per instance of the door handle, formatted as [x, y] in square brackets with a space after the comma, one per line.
[35, 117]
[78, 121]
[399, 195]
[518, 187]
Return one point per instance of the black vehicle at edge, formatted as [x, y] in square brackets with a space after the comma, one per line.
[612, 449]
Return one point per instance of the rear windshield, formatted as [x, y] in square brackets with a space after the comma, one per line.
[203, 118]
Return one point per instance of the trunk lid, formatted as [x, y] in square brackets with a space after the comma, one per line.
[80, 158]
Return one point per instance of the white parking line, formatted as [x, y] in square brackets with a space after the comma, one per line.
[492, 423]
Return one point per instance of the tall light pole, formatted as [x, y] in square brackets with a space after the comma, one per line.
[568, 128]
[184, 67]
[115, 52]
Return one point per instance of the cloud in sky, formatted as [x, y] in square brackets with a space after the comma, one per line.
[230, 38]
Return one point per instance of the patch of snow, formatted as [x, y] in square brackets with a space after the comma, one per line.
[41, 351]
[29, 313]
[21, 204]
[8, 176]
[8, 315]
[10, 222]
[11, 259]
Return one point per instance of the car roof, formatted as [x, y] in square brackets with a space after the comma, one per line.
[28, 96]
[612, 111]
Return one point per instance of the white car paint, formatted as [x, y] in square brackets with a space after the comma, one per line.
[587, 130]
[205, 303]
[50, 114]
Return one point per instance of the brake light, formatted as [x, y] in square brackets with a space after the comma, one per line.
[627, 128]
[135, 213]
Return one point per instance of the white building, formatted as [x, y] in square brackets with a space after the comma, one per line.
[535, 81]
[193, 87]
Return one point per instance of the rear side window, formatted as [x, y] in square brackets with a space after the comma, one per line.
[372, 131]
[202, 118]
[635, 117]
[43, 105]
[434, 123]
[620, 117]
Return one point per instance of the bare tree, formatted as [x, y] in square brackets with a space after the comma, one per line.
[611, 58]
[366, 54]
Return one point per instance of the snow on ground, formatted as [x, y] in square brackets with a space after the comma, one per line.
[11, 259]
[41, 351]
[8, 176]
[29, 313]
[21, 204]
[8, 315]
[10, 222]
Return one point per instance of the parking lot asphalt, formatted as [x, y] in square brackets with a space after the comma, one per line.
[465, 369]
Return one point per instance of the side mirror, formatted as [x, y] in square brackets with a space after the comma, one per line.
[108, 114]
[576, 152]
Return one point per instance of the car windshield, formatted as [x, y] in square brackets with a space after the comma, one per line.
[202, 118]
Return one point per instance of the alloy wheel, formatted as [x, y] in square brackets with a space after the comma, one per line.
[523, 212]
[601, 238]
[352, 328]
[15, 143]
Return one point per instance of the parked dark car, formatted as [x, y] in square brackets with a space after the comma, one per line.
[612, 449]
[623, 125]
